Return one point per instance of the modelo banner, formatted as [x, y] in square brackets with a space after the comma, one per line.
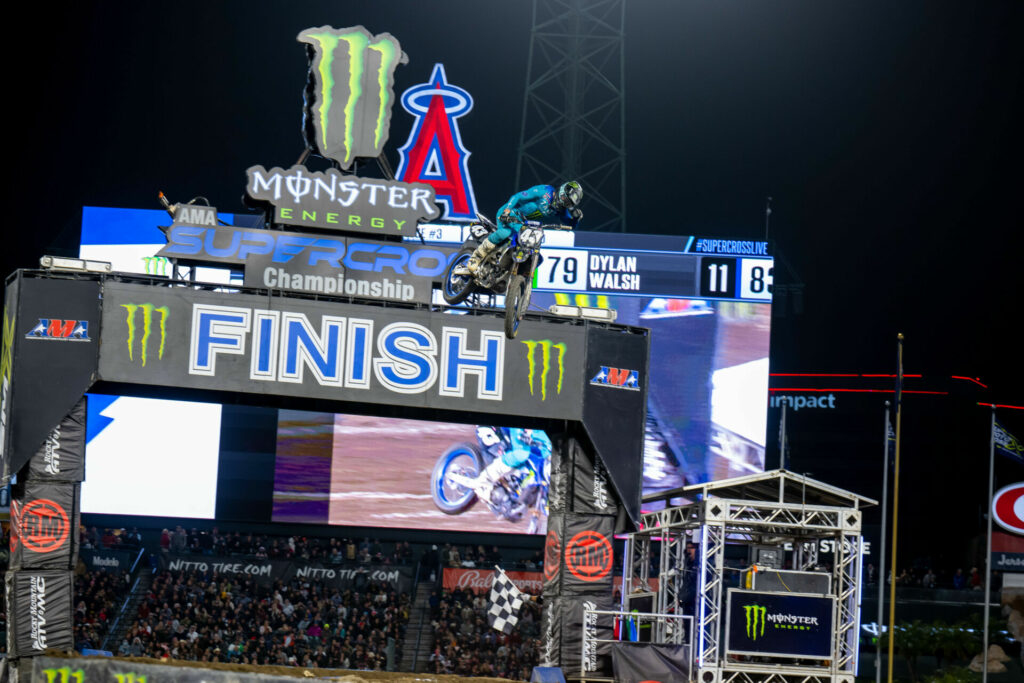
[779, 624]
[107, 560]
[314, 264]
[44, 525]
[39, 613]
[50, 351]
[62, 455]
[266, 572]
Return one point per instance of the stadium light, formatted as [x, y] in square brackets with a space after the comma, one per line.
[75, 265]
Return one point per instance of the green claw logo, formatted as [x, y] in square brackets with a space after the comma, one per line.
[155, 265]
[755, 615]
[147, 328]
[545, 345]
[64, 675]
[350, 91]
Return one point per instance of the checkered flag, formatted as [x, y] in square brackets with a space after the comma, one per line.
[506, 599]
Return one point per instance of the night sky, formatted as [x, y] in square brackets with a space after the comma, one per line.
[888, 134]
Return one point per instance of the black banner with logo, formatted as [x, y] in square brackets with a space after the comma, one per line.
[616, 376]
[587, 557]
[563, 626]
[39, 615]
[553, 551]
[266, 572]
[54, 355]
[761, 623]
[6, 369]
[592, 490]
[108, 560]
[646, 663]
[62, 455]
[44, 525]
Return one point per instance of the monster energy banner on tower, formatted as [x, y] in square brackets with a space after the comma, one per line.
[780, 624]
[39, 613]
[350, 91]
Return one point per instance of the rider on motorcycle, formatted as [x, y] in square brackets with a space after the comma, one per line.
[524, 441]
[542, 203]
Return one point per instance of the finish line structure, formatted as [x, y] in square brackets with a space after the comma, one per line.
[66, 334]
[758, 624]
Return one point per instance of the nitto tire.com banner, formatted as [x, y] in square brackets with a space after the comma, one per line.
[266, 572]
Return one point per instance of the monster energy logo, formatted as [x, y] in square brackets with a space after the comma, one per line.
[64, 675]
[155, 265]
[545, 345]
[147, 329]
[755, 615]
[350, 91]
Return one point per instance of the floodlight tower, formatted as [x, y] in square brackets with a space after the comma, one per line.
[574, 109]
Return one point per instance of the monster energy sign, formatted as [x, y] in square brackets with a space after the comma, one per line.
[539, 382]
[350, 91]
[140, 322]
[780, 624]
[333, 201]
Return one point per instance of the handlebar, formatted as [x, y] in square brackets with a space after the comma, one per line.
[547, 226]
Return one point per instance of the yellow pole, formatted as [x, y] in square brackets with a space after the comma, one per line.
[895, 498]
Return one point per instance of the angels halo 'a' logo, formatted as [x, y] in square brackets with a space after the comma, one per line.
[1008, 508]
[43, 525]
[588, 555]
[552, 554]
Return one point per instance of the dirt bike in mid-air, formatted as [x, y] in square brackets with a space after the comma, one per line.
[524, 490]
[507, 270]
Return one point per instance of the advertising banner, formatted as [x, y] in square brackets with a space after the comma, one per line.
[62, 455]
[646, 663]
[616, 376]
[562, 630]
[779, 624]
[50, 361]
[38, 612]
[178, 337]
[43, 525]
[478, 580]
[266, 572]
[108, 560]
[592, 490]
[553, 553]
[1007, 552]
[315, 264]
[587, 557]
[6, 367]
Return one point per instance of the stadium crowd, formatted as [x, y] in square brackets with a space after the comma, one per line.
[200, 616]
[464, 644]
[98, 597]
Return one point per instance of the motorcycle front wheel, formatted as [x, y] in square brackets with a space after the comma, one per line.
[449, 497]
[517, 299]
[456, 288]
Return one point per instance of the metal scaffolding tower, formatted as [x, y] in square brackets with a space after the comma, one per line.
[574, 109]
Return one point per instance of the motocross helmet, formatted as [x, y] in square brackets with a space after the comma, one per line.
[570, 194]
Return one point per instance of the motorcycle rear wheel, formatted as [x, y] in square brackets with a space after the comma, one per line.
[450, 498]
[517, 298]
[456, 288]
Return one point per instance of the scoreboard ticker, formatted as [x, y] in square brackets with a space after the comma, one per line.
[672, 267]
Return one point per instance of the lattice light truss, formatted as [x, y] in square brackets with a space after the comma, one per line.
[573, 123]
[710, 522]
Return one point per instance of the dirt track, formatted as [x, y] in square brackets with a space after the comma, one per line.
[341, 675]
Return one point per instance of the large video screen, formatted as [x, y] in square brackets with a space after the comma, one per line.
[707, 407]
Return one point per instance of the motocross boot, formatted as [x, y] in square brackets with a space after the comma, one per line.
[478, 256]
[489, 478]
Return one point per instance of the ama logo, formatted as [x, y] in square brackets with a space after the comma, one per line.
[434, 153]
[62, 330]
